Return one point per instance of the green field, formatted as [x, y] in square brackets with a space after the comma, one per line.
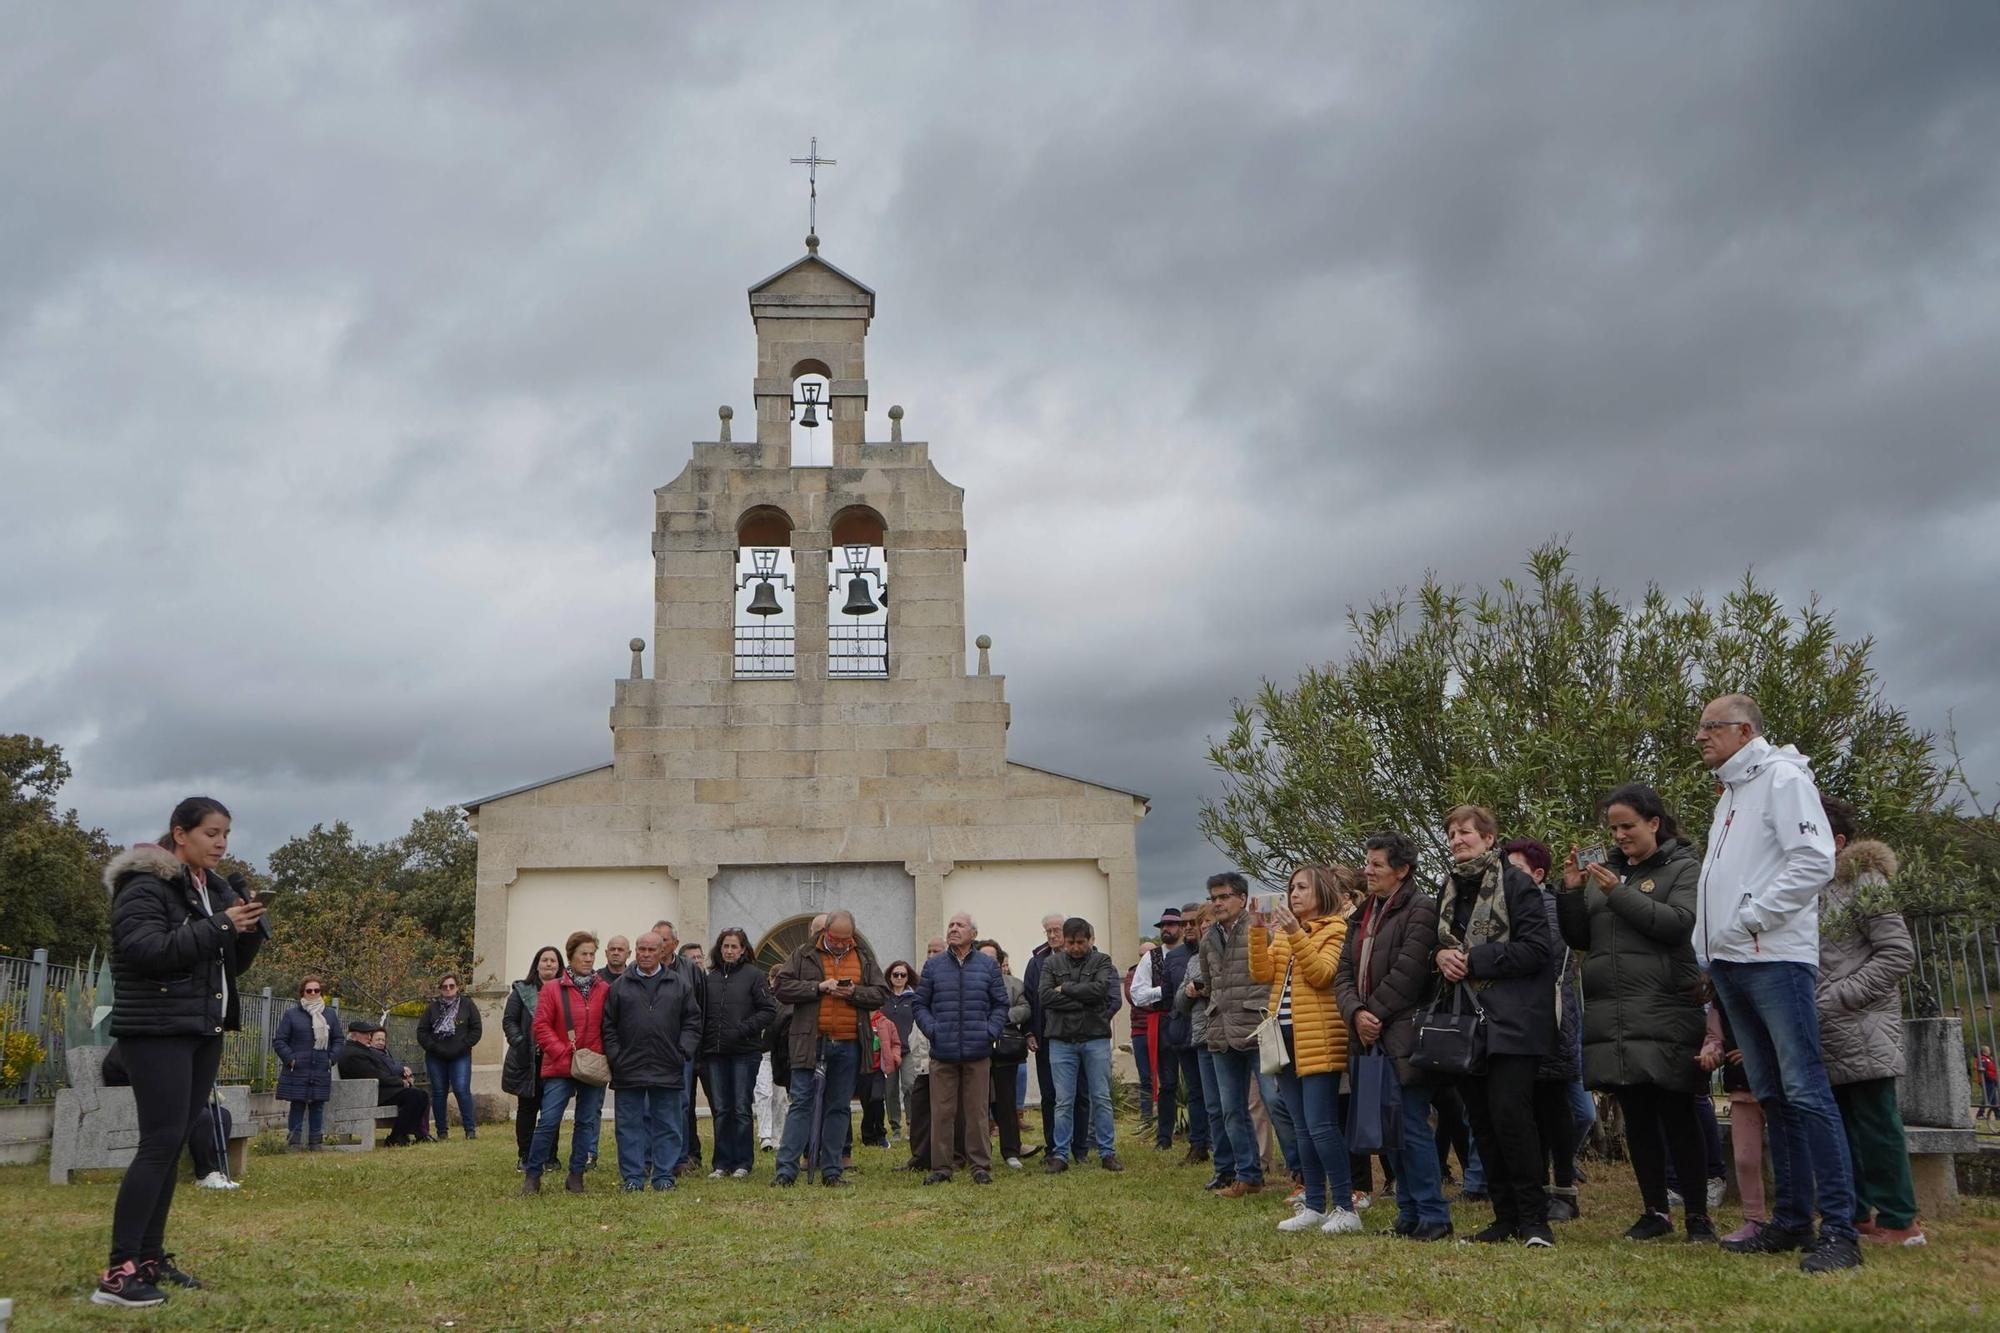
[434, 1237]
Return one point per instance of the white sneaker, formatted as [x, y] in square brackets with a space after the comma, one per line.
[216, 1180]
[1340, 1221]
[718, 1174]
[740, 1173]
[1014, 1162]
[1305, 1219]
[1716, 1187]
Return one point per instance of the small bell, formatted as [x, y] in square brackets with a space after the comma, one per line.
[764, 601]
[811, 419]
[859, 603]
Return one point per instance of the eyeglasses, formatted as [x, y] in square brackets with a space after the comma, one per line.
[1709, 724]
[1220, 897]
[448, 985]
[312, 990]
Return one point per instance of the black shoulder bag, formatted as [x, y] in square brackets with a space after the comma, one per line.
[1452, 1040]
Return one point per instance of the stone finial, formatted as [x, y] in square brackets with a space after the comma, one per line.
[812, 243]
[725, 412]
[639, 645]
[984, 643]
[896, 424]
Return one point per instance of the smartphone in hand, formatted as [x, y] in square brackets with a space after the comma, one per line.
[1591, 856]
[264, 898]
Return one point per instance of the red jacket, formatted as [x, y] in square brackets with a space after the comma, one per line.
[552, 1034]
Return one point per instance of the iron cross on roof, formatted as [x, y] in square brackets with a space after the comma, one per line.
[812, 162]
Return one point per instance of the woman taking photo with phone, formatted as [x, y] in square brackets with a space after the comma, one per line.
[1632, 911]
[180, 938]
[1295, 950]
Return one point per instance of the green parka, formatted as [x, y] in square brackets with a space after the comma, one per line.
[1642, 1014]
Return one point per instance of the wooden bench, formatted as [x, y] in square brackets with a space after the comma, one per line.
[98, 1127]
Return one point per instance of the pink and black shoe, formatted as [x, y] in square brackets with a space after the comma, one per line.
[126, 1287]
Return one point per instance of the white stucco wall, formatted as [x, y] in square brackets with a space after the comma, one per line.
[1009, 899]
[544, 906]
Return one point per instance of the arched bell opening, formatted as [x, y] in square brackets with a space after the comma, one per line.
[812, 414]
[766, 595]
[857, 612]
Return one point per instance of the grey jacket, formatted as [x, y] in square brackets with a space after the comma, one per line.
[1236, 1000]
[1863, 954]
[1195, 1007]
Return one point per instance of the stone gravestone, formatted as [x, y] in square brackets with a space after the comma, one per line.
[1935, 1095]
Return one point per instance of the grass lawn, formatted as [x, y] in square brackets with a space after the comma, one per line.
[434, 1237]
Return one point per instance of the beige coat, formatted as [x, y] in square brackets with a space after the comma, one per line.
[1863, 958]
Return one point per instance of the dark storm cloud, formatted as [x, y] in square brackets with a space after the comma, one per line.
[354, 341]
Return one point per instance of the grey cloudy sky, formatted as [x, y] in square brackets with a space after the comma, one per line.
[342, 346]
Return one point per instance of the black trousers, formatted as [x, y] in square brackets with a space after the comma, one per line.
[1660, 1121]
[1501, 1106]
[874, 1104]
[410, 1104]
[1556, 1123]
[920, 1123]
[171, 1078]
[1006, 1107]
[1452, 1130]
[527, 1110]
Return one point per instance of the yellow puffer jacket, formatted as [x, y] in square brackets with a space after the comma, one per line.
[1319, 1036]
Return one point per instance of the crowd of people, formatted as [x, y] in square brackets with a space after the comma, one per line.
[1364, 1018]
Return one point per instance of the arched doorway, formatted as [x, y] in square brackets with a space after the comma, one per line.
[787, 935]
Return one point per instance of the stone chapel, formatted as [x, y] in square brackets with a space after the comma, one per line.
[810, 735]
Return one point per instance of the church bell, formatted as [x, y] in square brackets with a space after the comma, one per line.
[859, 603]
[764, 601]
[811, 419]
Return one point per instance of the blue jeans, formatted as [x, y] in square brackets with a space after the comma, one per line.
[649, 1124]
[1092, 1061]
[732, 1080]
[1314, 1102]
[1475, 1170]
[450, 1076]
[1211, 1102]
[1582, 1108]
[304, 1114]
[1419, 1180]
[556, 1094]
[1273, 1095]
[1142, 1058]
[1772, 1011]
[840, 1060]
[1233, 1072]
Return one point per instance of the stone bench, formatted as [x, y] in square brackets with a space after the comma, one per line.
[98, 1127]
[352, 1109]
[1935, 1097]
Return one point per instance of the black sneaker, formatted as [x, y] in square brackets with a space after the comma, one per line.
[784, 1182]
[1773, 1239]
[836, 1183]
[937, 1177]
[124, 1287]
[1499, 1233]
[164, 1270]
[1404, 1226]
[982, 1177]
[1650, 1226]
[632, 1187]
[1537, 1236]
[1428, 1231]
[1562, 1207]
[1829, 1255]
[1700, 1231]
[1219, 1181]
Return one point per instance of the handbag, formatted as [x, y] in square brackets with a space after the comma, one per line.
[1452, 1041]
[1011, 1046]
[585, 1065]
[1271, 1053]
[1374, 1104]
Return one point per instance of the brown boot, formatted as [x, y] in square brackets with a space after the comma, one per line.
[531, 1183]
[574, 1184]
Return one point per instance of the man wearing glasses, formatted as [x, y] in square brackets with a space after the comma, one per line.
[1770, 849]
[1236, 1003]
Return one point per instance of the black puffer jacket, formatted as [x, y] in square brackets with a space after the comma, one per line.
[521, 1070]
[736, 1009]
[1642, 1016]
[467, 1028]
[652, 1028]
[1562, 1066]
[174, 969]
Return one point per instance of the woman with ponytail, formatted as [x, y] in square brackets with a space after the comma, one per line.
[180, 939]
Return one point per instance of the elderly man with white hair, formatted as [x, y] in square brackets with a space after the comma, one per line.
[961, 1007]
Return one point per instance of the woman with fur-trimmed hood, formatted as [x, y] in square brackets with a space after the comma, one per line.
[180, 939]
[1864, 954]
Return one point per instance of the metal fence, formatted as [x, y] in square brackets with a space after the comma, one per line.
[35, 992]
[1957, 971]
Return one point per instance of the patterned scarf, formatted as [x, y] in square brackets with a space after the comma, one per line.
[1489, 923]
[446, 1023]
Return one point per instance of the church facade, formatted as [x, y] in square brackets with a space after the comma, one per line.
[811, 735]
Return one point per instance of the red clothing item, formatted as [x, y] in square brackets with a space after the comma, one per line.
[552, 1034]
[888, 1056]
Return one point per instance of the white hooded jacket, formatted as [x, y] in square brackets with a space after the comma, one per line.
[1769, 852]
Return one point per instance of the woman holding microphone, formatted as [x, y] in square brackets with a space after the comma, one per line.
[180, 938]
